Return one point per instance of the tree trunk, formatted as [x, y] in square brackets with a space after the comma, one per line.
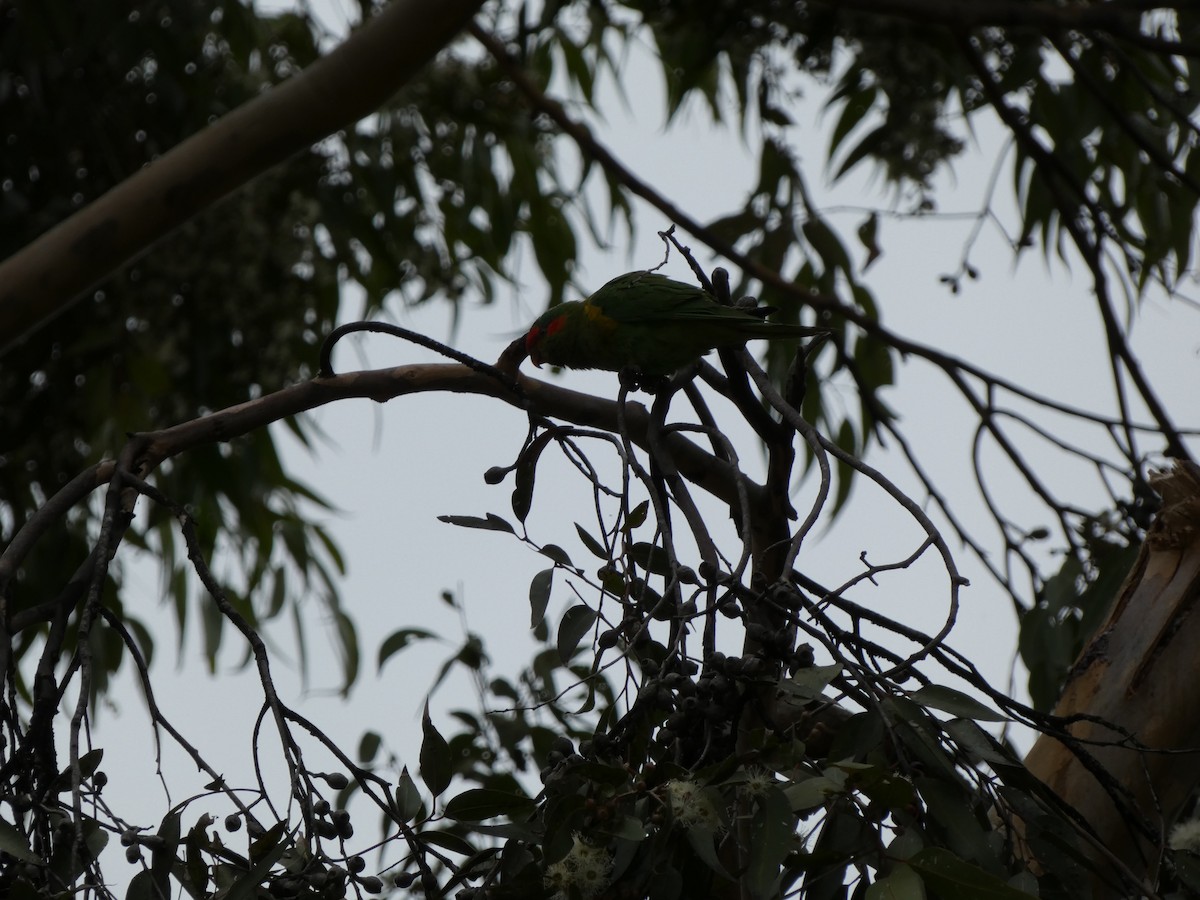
[1139, 674]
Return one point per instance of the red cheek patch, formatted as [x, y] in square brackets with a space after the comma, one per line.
[556, 325]
[531, 339]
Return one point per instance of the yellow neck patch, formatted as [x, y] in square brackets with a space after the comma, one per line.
[597, 317]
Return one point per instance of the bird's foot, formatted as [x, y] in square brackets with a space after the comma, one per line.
[634, 379]
[630, 378]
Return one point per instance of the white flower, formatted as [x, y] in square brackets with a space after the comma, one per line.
[689, 804]
[758, 782]
[585, 867]
[1185, 836]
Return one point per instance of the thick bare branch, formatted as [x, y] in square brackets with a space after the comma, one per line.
[334, 92]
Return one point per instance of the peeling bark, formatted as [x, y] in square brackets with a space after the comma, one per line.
[1139, 674]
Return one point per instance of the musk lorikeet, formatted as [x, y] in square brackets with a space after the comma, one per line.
[648, 322]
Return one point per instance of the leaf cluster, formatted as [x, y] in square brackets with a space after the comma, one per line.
[92, 96]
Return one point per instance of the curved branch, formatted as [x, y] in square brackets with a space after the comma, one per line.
[71, 493]
[933, 536]
[147, 450]
[697, 465]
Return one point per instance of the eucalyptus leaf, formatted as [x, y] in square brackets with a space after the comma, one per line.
[576, 622]
[902, 883]
[479, 804]
[14, 844]
[436, 765]
[951, 876]
[955, 702]
[539, 596]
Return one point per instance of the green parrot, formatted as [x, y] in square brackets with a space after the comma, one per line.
[648, 322]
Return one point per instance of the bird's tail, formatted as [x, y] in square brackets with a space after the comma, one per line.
[781, 330]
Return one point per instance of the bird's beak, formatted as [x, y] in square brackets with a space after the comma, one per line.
[531, 346]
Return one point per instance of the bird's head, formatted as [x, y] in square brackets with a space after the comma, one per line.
[547, 325]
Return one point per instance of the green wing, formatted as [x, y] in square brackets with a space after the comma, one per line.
[646, 297]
